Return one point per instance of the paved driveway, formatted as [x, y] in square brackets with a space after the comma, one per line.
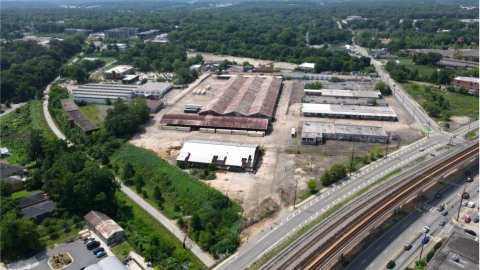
[82, 257]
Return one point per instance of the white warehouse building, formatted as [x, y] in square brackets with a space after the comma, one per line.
[98, 93]
[118, 72]
[153, 89]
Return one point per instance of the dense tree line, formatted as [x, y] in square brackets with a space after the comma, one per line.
[27, 67]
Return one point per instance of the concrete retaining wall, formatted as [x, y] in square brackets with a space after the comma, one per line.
[256, 133]
[184, 129]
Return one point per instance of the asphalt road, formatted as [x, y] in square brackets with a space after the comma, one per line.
[390, 245]
[285, 226]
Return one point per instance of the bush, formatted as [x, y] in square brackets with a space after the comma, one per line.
[430, 255]
[47, 222]
[54, 236]
[312, 185]
[51, 229]
[68, 261]
[438, 245]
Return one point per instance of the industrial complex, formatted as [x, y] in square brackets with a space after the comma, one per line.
[347, 97]
[98, 93]
[243, 96]
[75, 116]
[314, 132]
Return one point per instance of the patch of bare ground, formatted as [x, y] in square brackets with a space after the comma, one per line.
[258, 218]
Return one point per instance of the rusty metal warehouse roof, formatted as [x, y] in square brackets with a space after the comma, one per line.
[214, 121]
[247, 96]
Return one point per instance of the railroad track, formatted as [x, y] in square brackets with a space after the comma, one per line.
[321, 244]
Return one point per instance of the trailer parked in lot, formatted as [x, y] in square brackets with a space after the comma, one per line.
[193, 106]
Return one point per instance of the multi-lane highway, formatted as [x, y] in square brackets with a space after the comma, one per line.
[284, 227]
[390, 246]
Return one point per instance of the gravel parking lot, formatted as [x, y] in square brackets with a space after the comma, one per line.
[82, 257]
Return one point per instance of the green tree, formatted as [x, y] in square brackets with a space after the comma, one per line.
[379, 151]
[447, 125]
[34, 182]
[365, 159]
[374, 102]
[371, 154]
[105, 159]
[128, 171]
[34, 150]
[446, 115]
[139, 180]
[10, 205]
[7, 104]
[108, 101]
[196, 223]
[312, 185]
[6, 188]
[212, 167]
[335, 79]
[181, 222]
[143, 81]
[18, 234]
[157, 194]
[326, 178]
[205, 240]
[338, 171]
[350, 164]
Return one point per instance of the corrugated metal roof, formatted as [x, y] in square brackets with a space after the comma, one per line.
[69, 105]
[246, 96]
[103, 224]
[205, 151]
[214, 121]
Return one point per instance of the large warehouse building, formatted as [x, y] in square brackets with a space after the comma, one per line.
[313, 132]
[104, 227]
[243, 96]
[98, 93]
[470, 83]
[347, 97]
[224, 154]
[210, 121]
[153, 89]
[349, 111]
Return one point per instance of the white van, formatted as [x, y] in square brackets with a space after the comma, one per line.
[471, 204]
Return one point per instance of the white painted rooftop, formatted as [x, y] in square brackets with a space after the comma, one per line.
[307, 65]
[347, 93]
[348, 109]
[204, 151]
[467, 79]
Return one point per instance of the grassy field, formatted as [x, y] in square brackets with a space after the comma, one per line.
[17, 125]
[22, 193]
[122, 250]
[106, 59]
[460, 105]
[147, 224]
[422, 70]
[92, 112]
[111, 66]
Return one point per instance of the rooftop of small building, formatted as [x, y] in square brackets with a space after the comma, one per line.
[467, 79]
[154, 86]
[120, 68]
[350, 93]
[316, 129]
[466, 248]
[348, 109]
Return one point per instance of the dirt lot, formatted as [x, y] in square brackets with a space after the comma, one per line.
[285, 159]
[256, 62]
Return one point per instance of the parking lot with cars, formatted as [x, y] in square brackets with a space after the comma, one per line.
[82, 257]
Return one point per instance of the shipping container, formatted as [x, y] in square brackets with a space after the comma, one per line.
[204, 92]
[193, 106]
[208, 87]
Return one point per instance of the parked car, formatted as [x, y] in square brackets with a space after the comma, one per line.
[464, 203]
[444, 212]
[426, 229]
[475, 220]
[468, 219]
[93, 245]
[408, 246]
[455, 258]
[438, 196]
[425, 240]
[469, 179]
[471, 204]
[465, 195]
[101, 254]
[88, 240]
[442, 222]
[391, 264]
[95, 251]
[440, 207]
[470, 232]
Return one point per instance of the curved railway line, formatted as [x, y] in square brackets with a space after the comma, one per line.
[322, 244]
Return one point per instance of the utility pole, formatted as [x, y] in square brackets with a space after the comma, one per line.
[386, 151]
[295, 200]
[425, 235]
[351, 161]
[461, 200]
[428, 133]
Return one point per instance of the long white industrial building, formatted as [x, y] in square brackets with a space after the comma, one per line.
[349, 111]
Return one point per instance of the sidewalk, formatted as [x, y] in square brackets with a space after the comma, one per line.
[204, 257]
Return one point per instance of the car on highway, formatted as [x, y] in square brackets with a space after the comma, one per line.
[438, 196]
[475, 220]
[442, 222]
[440, 207]
[465, 195]
[101, 254]
[408, 246]
[391, 264]
[469, 179]
[470, 232]
[468, 219]
[471, 204]
[464, 203]
[444, 212]
[421, 149]
[426, 229]
[425, 240]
